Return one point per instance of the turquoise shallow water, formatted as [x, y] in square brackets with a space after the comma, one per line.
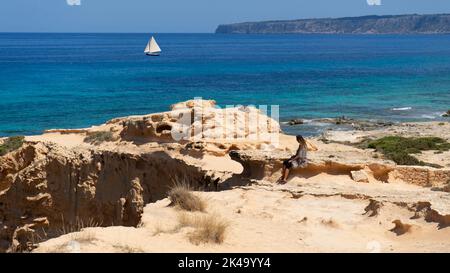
[78, 80]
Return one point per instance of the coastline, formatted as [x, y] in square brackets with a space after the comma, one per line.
[310, 77]
[119, 172]
[363, 25]
[310, 127]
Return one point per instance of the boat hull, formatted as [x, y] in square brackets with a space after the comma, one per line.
[153, 54]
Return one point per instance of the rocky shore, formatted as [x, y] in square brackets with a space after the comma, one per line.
[105, 188]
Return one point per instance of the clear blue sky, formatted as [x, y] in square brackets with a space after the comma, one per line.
[184, 15]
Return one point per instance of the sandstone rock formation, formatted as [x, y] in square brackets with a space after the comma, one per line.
[57, 180]
[45, 187]
[360, 176]
[197, 120]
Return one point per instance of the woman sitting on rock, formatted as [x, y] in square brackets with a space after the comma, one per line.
[296, 161]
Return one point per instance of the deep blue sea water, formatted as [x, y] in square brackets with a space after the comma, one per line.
[78, 80]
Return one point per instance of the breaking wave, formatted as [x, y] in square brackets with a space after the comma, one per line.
[401, 109]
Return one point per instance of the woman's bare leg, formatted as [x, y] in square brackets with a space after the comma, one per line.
[285, 174]
[283, 170]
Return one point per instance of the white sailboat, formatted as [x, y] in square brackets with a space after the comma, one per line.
[152, 48]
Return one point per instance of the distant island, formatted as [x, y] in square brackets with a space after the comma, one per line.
[389, 24]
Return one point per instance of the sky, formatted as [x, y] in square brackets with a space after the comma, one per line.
[192, 16]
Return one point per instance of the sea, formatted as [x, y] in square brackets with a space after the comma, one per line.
[72, 80]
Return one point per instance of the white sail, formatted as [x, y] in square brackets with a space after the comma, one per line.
[147, 48]
[152, 47]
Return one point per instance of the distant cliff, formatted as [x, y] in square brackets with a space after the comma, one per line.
[392, 24]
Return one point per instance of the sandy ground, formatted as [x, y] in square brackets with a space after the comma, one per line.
[273, 218]
[66, 140]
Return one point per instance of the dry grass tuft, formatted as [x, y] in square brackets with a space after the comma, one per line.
[85, 236]
[181, 196]
[11, 144]
[124, 248]
[78, 225]
[186, 220]
[207, 228]
[210, 230]
[99, 137]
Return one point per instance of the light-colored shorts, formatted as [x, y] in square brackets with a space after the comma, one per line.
[299, 164]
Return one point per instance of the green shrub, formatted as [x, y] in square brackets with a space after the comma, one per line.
[11, 144]
[99, 137]
[399, 149]
[403, 158]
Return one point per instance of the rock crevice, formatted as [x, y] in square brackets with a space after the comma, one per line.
[45, 187]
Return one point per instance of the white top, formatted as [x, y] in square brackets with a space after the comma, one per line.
[301, 152]
[300, 160]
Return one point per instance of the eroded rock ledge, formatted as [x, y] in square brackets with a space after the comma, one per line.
[267, 165]
[45, 187]
[430, 205]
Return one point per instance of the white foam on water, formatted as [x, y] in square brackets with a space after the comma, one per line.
[305, 121]
[434, 115]
[319, 124]
[402, 109]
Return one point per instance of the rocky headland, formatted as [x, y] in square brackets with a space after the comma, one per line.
[392, 24]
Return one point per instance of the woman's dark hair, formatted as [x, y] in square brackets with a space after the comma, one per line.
[301, 140]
